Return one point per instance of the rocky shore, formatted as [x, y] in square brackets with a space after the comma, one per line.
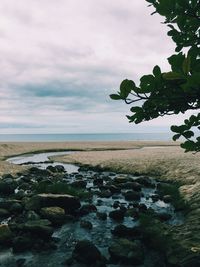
[174, 245]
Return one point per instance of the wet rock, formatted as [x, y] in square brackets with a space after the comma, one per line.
[37, 171]
[20, 194]
[131, 185]
[16, 208]
[131, 195]
[105, 194]
[79, 176]
[133, 212]
[4, 213]
[117, 215]
[124, 231]
[164, 216]
[41, 228]
[7, 186]
[86, 252]
[54, 214]
[79, 184]
[86, 224]
[116, 204]
[20, 262]
[22, 243]
[32, 216]
[59, 168]
[7, 175]
[5, 234]
[86, 209]
[101, 215]
[67, 202]
[120, 179]
[114, 189]
[98, 181]
[155, 197]
[142, 207]
[127, 252]
[167, 198]
[51, 168]
[145, 181]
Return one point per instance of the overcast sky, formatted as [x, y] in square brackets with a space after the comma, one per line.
[60, 60]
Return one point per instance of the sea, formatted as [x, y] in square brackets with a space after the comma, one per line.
[86, 137]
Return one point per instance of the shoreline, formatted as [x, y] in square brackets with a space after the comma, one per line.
[159, 159]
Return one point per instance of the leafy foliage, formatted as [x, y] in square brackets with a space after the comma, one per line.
[178, 90]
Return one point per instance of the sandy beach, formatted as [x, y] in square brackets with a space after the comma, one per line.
[165, 160]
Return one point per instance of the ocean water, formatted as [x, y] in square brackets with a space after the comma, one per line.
[85, 137]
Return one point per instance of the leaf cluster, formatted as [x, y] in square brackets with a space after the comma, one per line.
[177, 90]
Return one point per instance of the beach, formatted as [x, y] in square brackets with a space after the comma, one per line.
[164, 160]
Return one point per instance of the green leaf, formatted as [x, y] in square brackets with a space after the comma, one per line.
[171, 76]
[156, 71]
[186, 65]
[176, 136]
[175, 128]
[115, 97]
[126, 87]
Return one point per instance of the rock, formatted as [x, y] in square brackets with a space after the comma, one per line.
[54, 214]
[117, 215]
[16, 208]
[86, 209]
[51, 169]
[7, 186]
[79, 184]
[59, 168]
[86, 252]
[101, 215]
[5, 234]
[145, 181]
[41, 228]
[98, 181]
[127, 252]
[67, 202]
[142, 207]
[37, 171]
[4, 213]
[124, 231]
[164, 216]
[32, 216]
[131, 195]
[114, 189]
[20, 194]
[86, 224]
[120, 179]
[105, 194]
[131, 185]
[22, 243]
[20, 262]
[155, 197]
[116, 204]
[167, 198]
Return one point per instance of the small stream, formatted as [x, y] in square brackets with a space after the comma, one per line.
[67, 235]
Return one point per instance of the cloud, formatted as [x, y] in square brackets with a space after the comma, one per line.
[60, 60]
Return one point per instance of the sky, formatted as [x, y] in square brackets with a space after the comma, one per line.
[60, 60]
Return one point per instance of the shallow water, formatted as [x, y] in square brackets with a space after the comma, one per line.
[100, 234]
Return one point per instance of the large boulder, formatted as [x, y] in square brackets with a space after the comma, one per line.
[117, 215]
[7, 186]
[67, 202]
[41, 228]
[54, 214]
[127, 252]
[5, 234]
[86, 252]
